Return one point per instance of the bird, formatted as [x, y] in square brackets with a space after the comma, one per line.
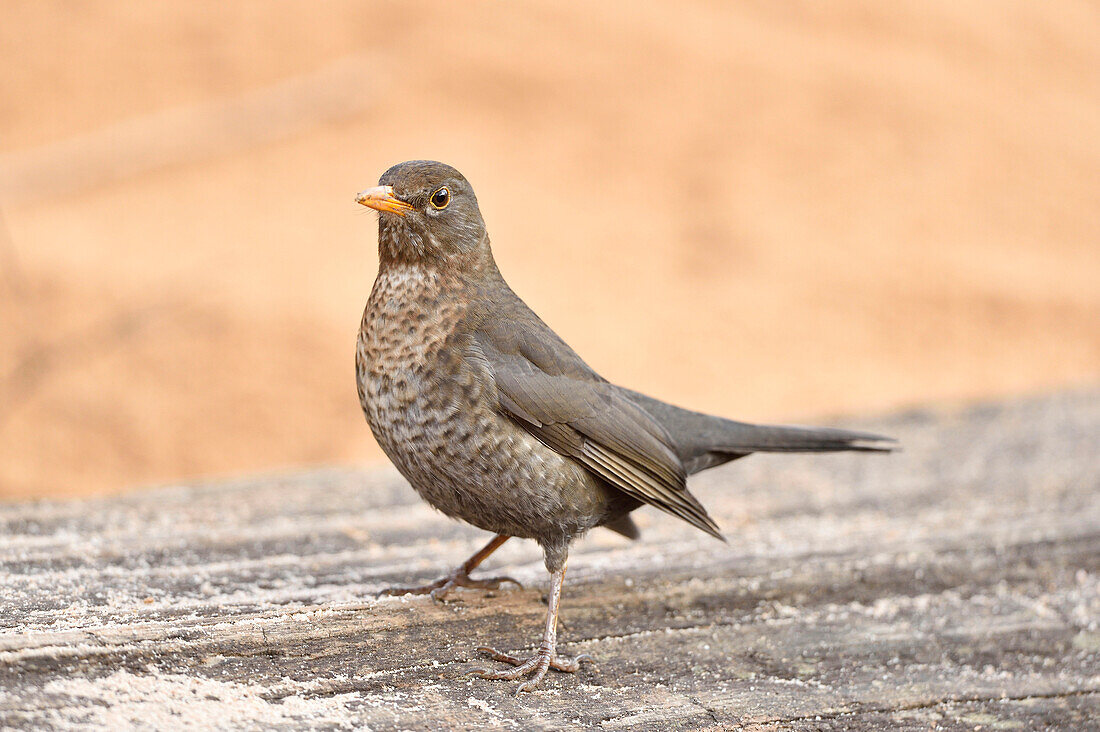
[494, 420]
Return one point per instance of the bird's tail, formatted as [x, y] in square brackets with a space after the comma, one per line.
[703, 441]
[740, 437]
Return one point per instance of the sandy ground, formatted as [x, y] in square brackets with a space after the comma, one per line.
[768, 214]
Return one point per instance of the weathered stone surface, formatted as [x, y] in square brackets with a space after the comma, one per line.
[956, 585]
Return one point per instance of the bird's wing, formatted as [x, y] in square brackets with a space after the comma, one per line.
[546, 388]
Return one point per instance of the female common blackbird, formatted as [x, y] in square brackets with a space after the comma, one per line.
[494, 420]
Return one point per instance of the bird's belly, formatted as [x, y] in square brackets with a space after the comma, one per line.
[437, 421]
[482, 468]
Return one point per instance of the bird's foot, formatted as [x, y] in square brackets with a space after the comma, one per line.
[537, 665]
[442, 587]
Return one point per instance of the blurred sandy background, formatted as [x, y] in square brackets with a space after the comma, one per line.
[774, 212]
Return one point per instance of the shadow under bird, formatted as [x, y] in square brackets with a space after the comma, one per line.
[495, 420]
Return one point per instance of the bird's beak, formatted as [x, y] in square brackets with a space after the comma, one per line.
[381, 198]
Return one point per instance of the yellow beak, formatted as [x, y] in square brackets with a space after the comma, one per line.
[381, 198]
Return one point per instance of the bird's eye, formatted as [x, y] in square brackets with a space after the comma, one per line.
[441, 198]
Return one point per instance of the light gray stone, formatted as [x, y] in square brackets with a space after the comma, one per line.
[954, 585]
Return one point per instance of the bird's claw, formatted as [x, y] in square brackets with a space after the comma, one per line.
[537, 664]
[439, 589]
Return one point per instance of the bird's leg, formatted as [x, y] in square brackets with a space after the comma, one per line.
[461, 576]
[545, 658]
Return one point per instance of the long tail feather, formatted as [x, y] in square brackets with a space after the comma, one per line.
[703, 441]
[741, 437]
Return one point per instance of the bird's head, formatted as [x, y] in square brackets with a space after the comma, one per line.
[427, 210]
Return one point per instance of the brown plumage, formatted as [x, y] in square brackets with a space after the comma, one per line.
[494, 420]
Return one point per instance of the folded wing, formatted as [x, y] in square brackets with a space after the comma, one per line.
[549, 391]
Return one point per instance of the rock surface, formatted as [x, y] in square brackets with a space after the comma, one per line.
[953, 586]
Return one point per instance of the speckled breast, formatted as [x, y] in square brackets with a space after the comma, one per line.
[433, 411]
